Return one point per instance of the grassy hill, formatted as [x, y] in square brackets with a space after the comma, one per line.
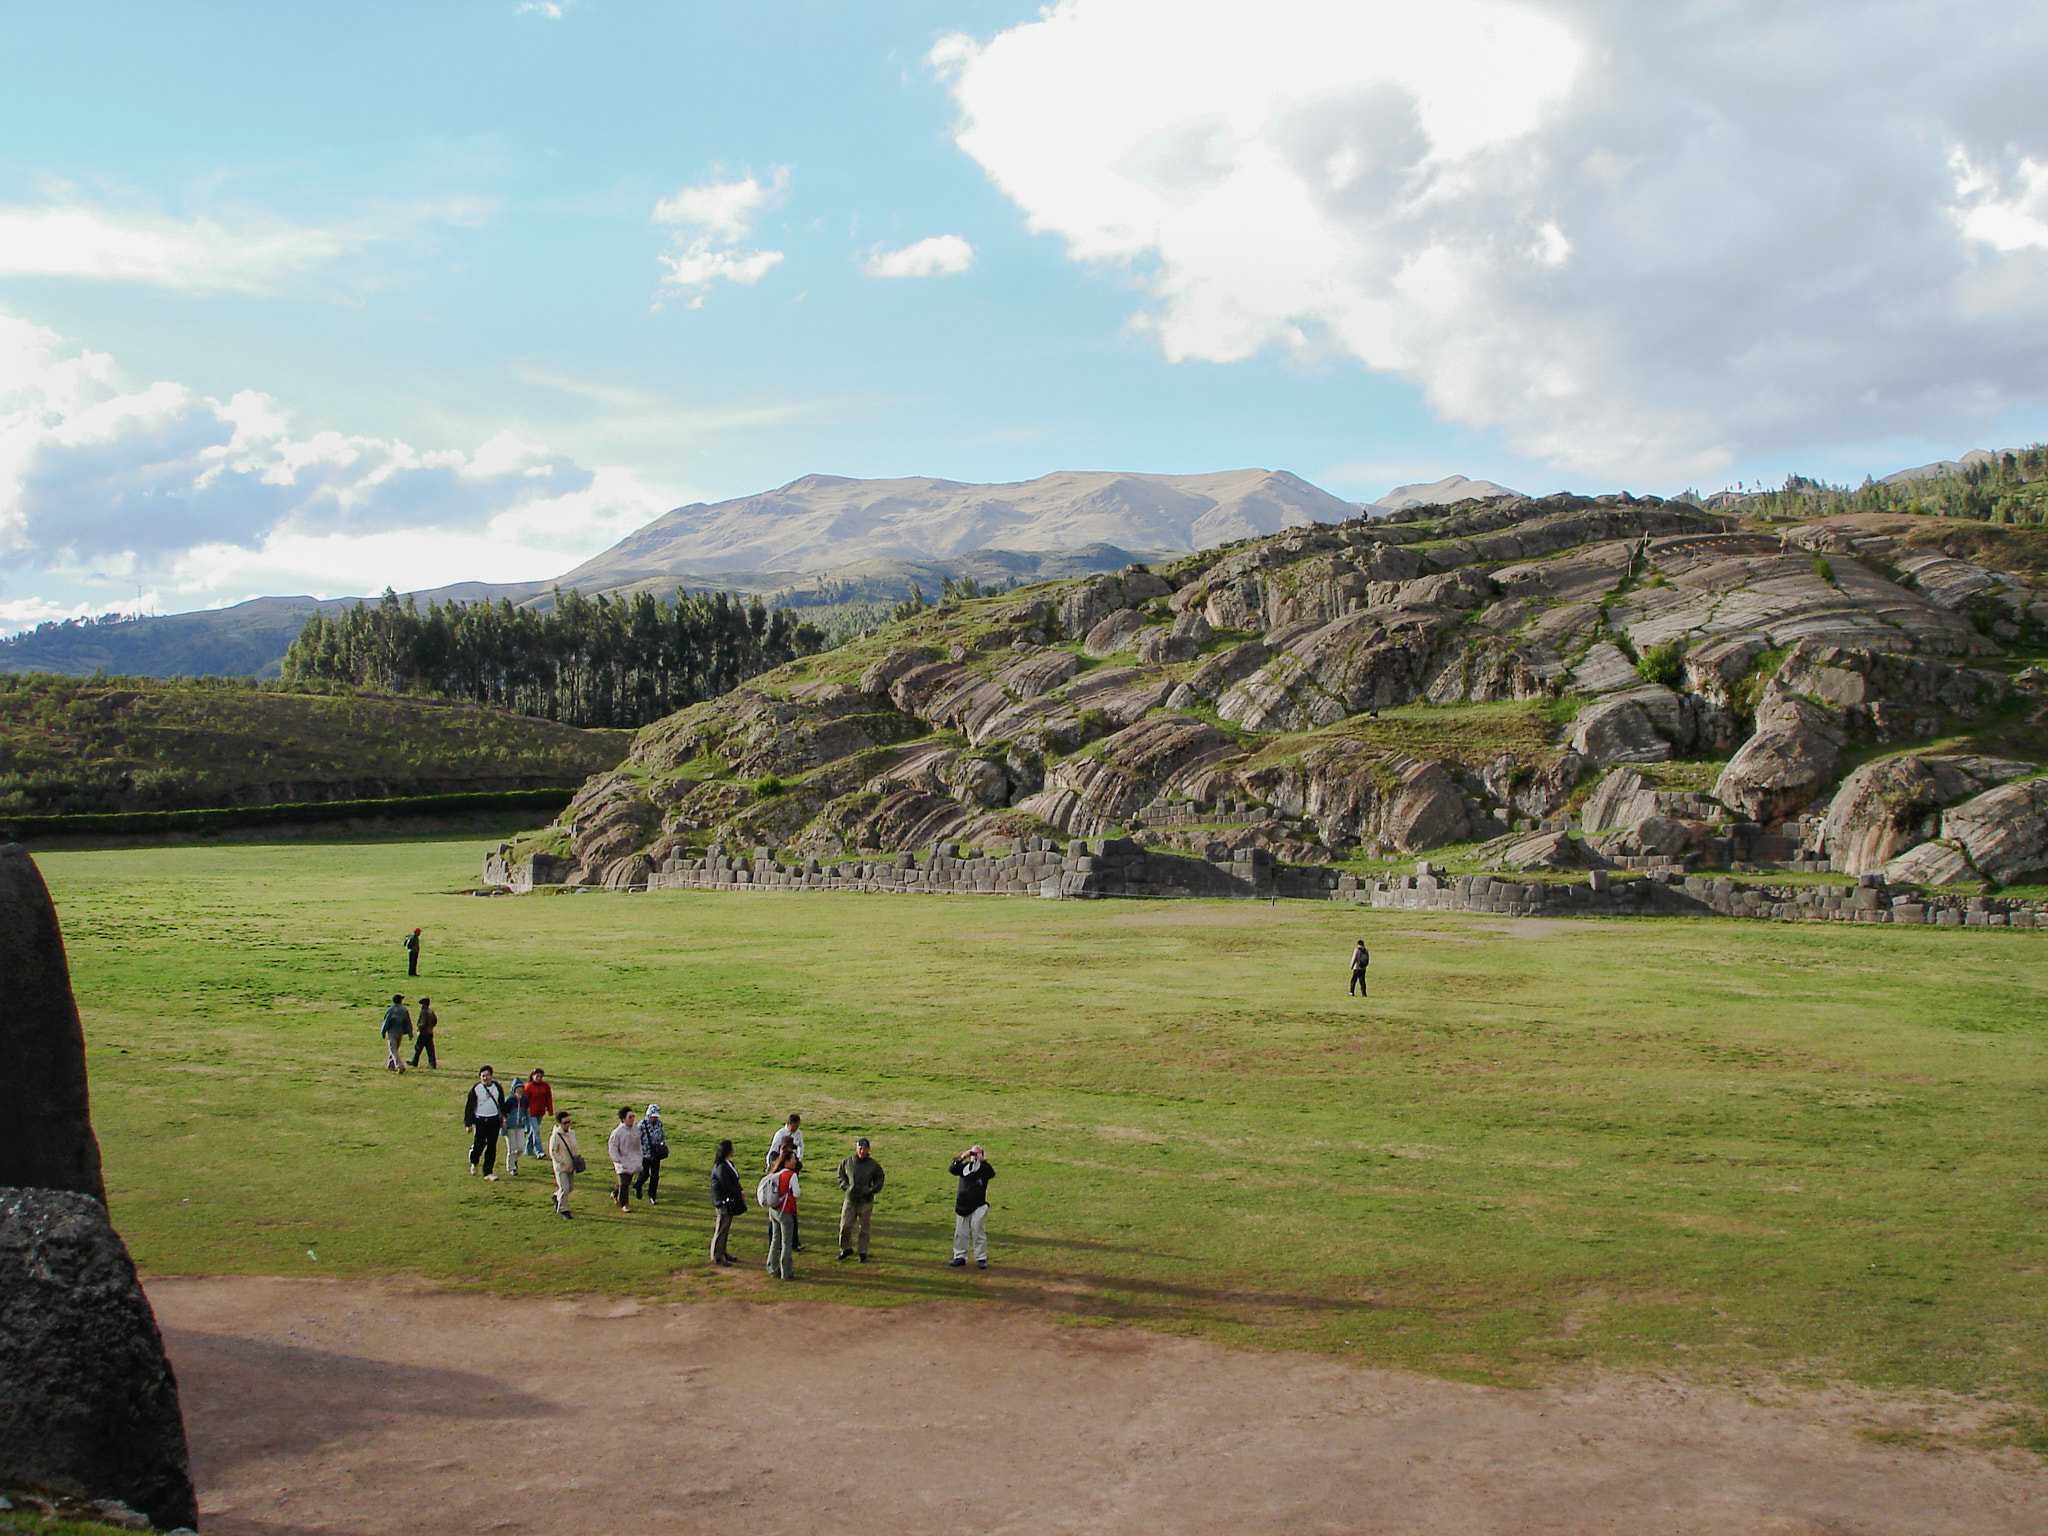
[144, 744]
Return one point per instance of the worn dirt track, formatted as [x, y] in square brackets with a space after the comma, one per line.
[334, 1407]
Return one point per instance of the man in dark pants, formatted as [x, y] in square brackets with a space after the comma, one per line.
[412, 953]
[1361, 957]
[483, 1112]
[970, 1206]
[424, 1040]
[861, 1177]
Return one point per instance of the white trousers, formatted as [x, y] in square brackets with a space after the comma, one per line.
[565, 1180]
[973, 1229]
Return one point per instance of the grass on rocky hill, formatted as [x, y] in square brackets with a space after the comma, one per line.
[1740, 1149]
[143, 744]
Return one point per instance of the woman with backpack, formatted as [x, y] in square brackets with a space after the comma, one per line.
[777, 1196]
[726, 1200]
[567, 1162]
[653, 1152]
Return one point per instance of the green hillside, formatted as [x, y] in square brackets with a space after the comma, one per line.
[143, 744]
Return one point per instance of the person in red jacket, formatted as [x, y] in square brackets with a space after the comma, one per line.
[540, 1109]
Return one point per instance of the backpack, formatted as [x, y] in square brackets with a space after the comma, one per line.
[766, 1195]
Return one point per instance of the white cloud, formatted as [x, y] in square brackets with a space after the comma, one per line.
[104, 483]
[938, 256]
[75, 241]
[1637, 240]
[710, 220]
[548, 8]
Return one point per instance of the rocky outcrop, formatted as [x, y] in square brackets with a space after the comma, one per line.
[49, 1142]
[1888, 806]
[88, 1404]
[1789, 760]
[2004, 832]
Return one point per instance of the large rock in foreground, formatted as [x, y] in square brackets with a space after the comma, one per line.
[48, 1142]
[88, 1404]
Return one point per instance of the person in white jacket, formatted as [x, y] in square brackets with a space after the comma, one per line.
[562, 1154]
[624, 1147]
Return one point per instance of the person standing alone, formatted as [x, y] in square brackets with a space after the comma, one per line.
[624, 1148]
[970, 1206]
[861, 1177]
[412, 953]
[1361, 957]
[727, 1200]
[424, 1041]
[483, 1112]
[396, 1026]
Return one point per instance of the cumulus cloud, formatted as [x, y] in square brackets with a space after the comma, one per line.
[710, 221]
[938, 256]
[1637, 240]
[106, 481]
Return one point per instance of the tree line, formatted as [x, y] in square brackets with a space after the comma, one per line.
[588, 661]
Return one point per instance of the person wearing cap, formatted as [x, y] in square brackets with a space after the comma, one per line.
[396, 1026]
[412, 953]
[970, 1206]
[861, 1177]
[429, 1021]
[653, 1151]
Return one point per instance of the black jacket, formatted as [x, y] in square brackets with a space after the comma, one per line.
[973, 1186]
[469, 1103]
[725, 1187]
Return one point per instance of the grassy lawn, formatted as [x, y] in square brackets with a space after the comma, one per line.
[1733, 1147]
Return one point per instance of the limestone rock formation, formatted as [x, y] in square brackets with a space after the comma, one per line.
[2003, 832]
[49, 1142]
[1886, 807]
[88, 1404]
[1785, 764]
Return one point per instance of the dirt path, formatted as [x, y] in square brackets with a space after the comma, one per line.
[332, 1407]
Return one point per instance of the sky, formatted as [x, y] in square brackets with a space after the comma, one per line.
[324, 298]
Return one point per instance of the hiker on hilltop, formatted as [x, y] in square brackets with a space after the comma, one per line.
[483, 1115]
[567, 1162]
[861, 1177]
[653, 1153]
[1361, 957]
[396, 1026]
[970, 1206]
[424, 1041]
[624, 1147]
[727, 1200]
[540, 1108]
[789, 1138]
[412, 953]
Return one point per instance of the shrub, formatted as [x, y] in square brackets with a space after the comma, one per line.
[1661, 664]
[768, 786]
[1824, 569]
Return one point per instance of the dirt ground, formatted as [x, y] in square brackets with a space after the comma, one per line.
[332, 1407]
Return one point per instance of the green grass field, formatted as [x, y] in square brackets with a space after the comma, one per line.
[1734, 1148]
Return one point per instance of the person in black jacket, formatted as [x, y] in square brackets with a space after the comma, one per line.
[412, 952]
[727, 1200]
[970, 1206]
[483, 1112]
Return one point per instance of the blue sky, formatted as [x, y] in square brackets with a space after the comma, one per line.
[324, 297]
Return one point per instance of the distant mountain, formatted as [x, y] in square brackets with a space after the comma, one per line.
[1940, 469]
[1439, 493]
[826, 520]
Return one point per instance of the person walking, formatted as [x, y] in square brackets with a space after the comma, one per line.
[789, 1137]
[861, 1177]
[1361, 957]
[624, 1149]
[778, 1195]
[727, 1201]
[970, 1206]
[412, 952]
[396, 1026]
[424, 1040]
[653, 1153]
[515, 1125]
[540, 1108]
[483, 1112]
[567, 1161]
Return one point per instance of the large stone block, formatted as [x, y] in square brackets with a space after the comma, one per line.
[88, 1404]
[49, 1142]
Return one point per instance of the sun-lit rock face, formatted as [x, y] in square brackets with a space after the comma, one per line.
[1446, 676]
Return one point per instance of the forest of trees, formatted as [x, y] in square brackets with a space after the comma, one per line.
[589, 662]
[2006, 488]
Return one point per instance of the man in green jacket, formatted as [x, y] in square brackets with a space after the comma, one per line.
[861, 1177]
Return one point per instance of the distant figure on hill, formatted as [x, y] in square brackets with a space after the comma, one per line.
[483, 1114]
[566, 1160]
[970, 1206]
[861, 1177]
[425, 1039]
[515, 1124]
[727, 1200]
[653, 1152]
[624, 1147]
[412, 953]
[540, 1108]
[778, 1193]
[396, 1026]
[790, 1138]
[1361, 957]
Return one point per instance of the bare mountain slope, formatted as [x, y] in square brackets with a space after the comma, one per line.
[826, 520]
